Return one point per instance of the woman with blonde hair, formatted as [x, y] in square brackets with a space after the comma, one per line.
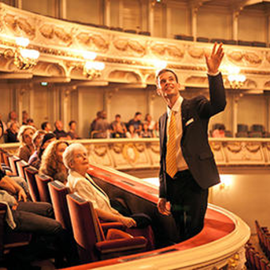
[27, 147]
[52, 161]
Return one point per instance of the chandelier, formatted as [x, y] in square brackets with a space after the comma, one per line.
[23, 58]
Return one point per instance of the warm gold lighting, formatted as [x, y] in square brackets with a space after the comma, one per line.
[23, 58]
[91, 68]
[236, 79]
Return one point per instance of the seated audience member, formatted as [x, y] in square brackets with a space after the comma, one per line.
[25, 116]
[46, 126]
[146, 133]
[27, 147]
[8, 174]
[12, 133]
[2, 130]
[12, 119]
[72, 130]
[35, 159]
[36, 218]
[76, 160]
[101, 127]
[59, 132]
[219, 132]
[30, 122]
[92, 125]
[37, 138]
[156, 130]
[136, 122]
[52, 161]
[118, 128]
[150, 123]
[131, 134]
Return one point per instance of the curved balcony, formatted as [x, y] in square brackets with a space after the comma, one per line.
[220, 245]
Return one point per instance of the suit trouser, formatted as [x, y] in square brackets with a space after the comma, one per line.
[188, 204]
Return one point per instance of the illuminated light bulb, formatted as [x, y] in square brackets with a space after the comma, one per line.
[21, 41]
[32, 54]
[99, 65]
[89, 65]
[89, 55]
[158, 64]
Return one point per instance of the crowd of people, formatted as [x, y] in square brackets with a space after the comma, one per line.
[100, 128]
[53, 155]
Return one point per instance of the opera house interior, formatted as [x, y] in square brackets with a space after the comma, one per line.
[84, 73]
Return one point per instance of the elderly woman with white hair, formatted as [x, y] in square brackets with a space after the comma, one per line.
[75, 159]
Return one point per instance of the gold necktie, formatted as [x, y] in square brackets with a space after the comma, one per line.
[171, 165]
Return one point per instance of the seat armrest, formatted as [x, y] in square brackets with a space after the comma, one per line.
[121, 245]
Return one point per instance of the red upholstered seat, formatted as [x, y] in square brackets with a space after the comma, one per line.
[9, 240]
[30, 173]
[21, 165]
[12, 163]
[58, 192]
[91, 242]
[42, 186]
[4, 157]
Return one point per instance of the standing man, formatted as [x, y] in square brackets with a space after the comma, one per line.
[187, 165]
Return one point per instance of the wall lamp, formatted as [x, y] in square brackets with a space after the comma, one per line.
[236, 79]
[23, 58]
[92, 69]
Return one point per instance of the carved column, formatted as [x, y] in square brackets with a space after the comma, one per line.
[168, 21]
[107, 12]
[121, 12]
[194, 17]
[63, 9]
[235, 17]
[235, 101]
[151, 17]
[150, 105]
[66, 111]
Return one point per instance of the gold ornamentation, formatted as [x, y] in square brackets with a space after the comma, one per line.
[253, 58]
[117, 147]
[171, 50]
[236, 56]
[130, 153]
[100, 150]
[47, 31]
[23, 24]
[89, 40]
[251, 147]
[234, 147]
[140, 147]
[155, 148]
[124, 45]
[197, 53]
[63, 35]
[216, 146]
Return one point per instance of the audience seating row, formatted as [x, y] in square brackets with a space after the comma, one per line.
[76, 215]
[224, 41]
[263, 235]
[254, 260]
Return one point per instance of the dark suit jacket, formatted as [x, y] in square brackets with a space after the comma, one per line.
[195, 147]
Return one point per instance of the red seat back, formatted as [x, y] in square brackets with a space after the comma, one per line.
[30, 173]
[86, 229]
[42, 186]
[12, 162]
[58, 192]
[21, 165]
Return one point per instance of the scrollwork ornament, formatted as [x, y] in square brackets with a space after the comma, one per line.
[130, 153]
[234, 147]
[117, 148]
[100, 150]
